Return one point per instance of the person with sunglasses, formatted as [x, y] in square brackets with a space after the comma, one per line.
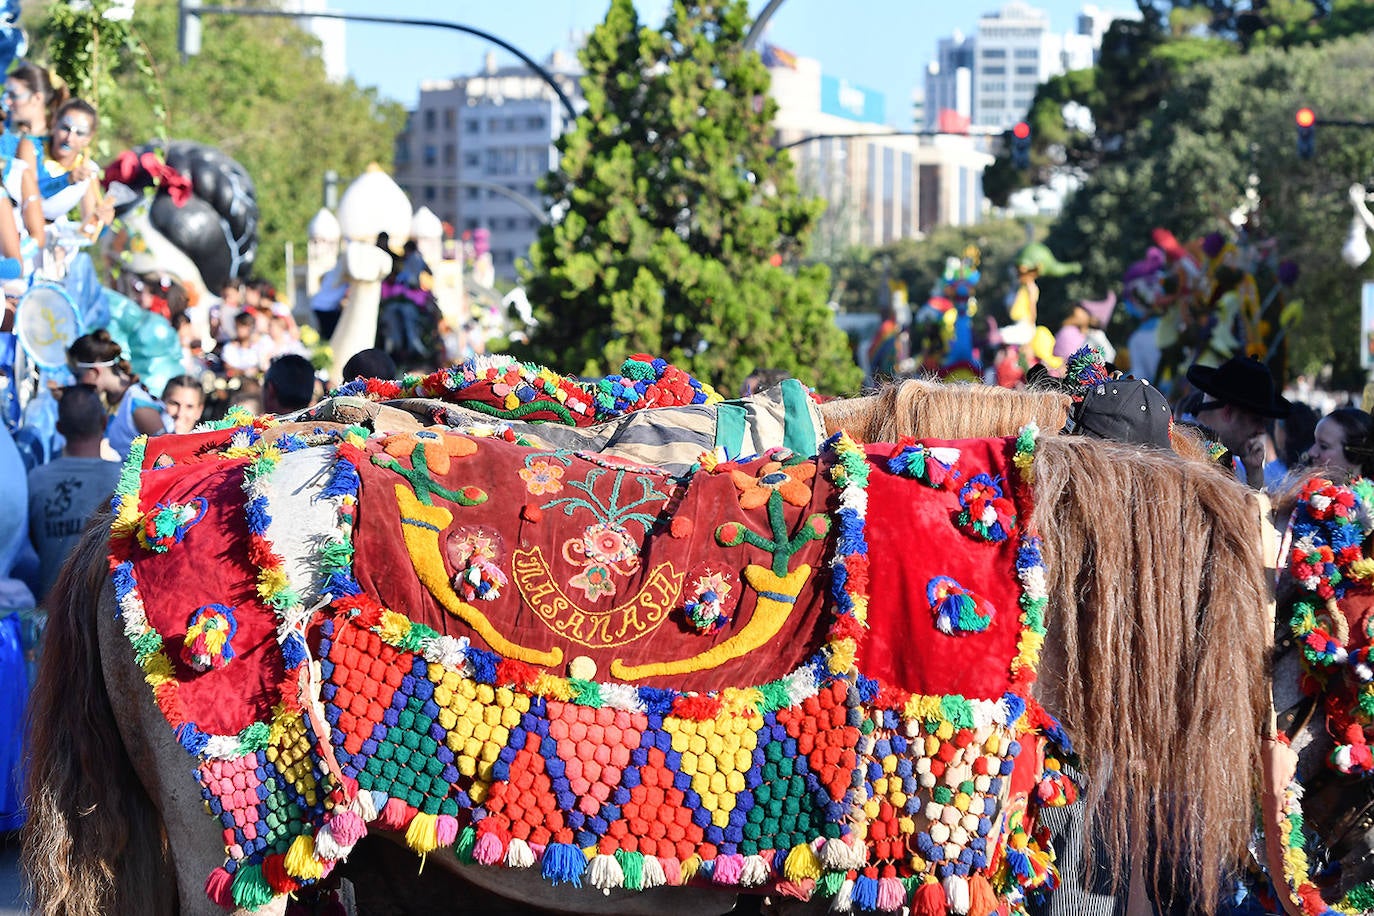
[67, 159]
[30, 99]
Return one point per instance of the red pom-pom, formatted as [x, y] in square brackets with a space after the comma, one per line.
[219, 888]
[520, 674]
[681, 526]
[531, 513]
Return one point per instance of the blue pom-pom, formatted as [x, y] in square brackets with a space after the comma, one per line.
[865, 893]
[563, 864]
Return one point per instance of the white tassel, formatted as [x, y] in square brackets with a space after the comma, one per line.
[653, 874]
[844, 897]
[604, 873]
[755, 872]
[956, 894]
[519, 854]
[325, 847]
[363, 807]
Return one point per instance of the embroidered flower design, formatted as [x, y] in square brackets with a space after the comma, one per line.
[958, 612]
[168, 523]
[542, 477]
[934, 466]
[209, 637]
[788, 482]
[608, 544]
[595, 580]
[436, 444]
[477, 577]
[986, 511]
[706, 608]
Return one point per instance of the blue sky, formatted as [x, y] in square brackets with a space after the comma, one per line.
[877, 44]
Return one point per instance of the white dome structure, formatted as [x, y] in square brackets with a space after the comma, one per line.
[425, 225]
[373, 204]
[324, 227]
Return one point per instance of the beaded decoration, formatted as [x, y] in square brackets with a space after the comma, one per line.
[506, 389]
[1327, 561]
[166, 525]
[209, 639]
[822, 781]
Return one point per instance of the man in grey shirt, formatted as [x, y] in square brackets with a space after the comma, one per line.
[65, 492]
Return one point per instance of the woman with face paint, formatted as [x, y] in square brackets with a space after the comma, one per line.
[68, 159]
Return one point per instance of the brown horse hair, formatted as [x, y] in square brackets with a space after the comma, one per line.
[93, 842]
[1159, 630]
[930, 409]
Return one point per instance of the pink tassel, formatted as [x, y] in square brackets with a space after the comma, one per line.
[891, 895]
[672, 870]
[219, 887]
[394, 816]
[489, 849]
[728, 869]
[446, 830]
[347, 828]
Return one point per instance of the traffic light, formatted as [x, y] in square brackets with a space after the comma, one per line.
[1020, 145]
[1307, 133]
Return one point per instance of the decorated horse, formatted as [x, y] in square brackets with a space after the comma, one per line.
[575, 644]
[1320, 804]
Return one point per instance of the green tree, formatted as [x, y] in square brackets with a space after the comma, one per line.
[673, 208]
[1224, 126]
[258, 92]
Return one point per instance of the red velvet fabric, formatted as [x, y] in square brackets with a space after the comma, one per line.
[912, 537]
[209, 566]
[383, 567]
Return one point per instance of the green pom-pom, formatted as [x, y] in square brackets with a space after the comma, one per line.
[632, 864]
[254, 738]
[830, 882]
[1360, 899]
[250, 889]
[467, 839]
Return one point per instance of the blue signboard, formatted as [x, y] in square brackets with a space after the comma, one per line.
[845, 100]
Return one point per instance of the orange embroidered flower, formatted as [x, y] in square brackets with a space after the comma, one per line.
[542, 477]
[790, 483]
[440, 445]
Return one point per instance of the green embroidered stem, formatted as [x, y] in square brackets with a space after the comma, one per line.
[423, 484]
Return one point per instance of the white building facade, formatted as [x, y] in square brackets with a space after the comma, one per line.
[878, 188]
[990, 78]
[475, 147]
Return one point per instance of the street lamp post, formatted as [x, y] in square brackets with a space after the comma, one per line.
[190, 11]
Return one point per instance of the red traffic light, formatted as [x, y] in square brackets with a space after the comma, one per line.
[1306, 117]
[1022, 130]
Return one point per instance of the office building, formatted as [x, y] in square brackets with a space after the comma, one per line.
[475, 147]
[878, 188]
[988, 80]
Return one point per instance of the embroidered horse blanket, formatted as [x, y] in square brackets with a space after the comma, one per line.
[802, 674]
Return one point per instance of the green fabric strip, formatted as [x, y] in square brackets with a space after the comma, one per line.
[799, 432]
[731, 420]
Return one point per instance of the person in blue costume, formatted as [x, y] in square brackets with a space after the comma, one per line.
[32, 102]
[66, 157]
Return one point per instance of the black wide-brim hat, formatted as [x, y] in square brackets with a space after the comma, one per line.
[1244, 382]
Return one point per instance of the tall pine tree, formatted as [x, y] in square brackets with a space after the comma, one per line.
[680, 229]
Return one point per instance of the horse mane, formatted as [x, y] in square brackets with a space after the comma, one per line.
[1156, 657]
[93, 841]
[929, 409]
